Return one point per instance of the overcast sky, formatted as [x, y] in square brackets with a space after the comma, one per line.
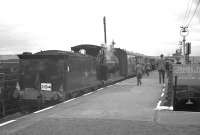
[150, 27]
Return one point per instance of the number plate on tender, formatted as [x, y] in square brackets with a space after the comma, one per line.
[46, 86]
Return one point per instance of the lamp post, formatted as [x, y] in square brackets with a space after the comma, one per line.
[184, 32]
[104, 24]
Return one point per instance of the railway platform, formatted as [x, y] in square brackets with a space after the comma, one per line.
[119, 109]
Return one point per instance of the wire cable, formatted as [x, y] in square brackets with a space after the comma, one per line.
[194, 13]
[187, 13]
[198, 12]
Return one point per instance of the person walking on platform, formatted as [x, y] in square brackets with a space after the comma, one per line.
[139, 71]
[147, 68]
[161, 69]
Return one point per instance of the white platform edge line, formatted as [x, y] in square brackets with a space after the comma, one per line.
[109, 86]
[99, 89]
[83, 95]
[159, 107]
[44, 109]
[69, 100]
[7, 122]
[87, 94]
[158, 104]
[165, 108]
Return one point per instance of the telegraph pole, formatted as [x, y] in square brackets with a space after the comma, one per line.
[104, 24]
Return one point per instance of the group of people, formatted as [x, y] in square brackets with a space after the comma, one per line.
[162, 67]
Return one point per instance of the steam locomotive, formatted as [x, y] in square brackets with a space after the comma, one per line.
[54, 76]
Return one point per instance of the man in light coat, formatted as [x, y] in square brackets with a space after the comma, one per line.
[139, 72]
